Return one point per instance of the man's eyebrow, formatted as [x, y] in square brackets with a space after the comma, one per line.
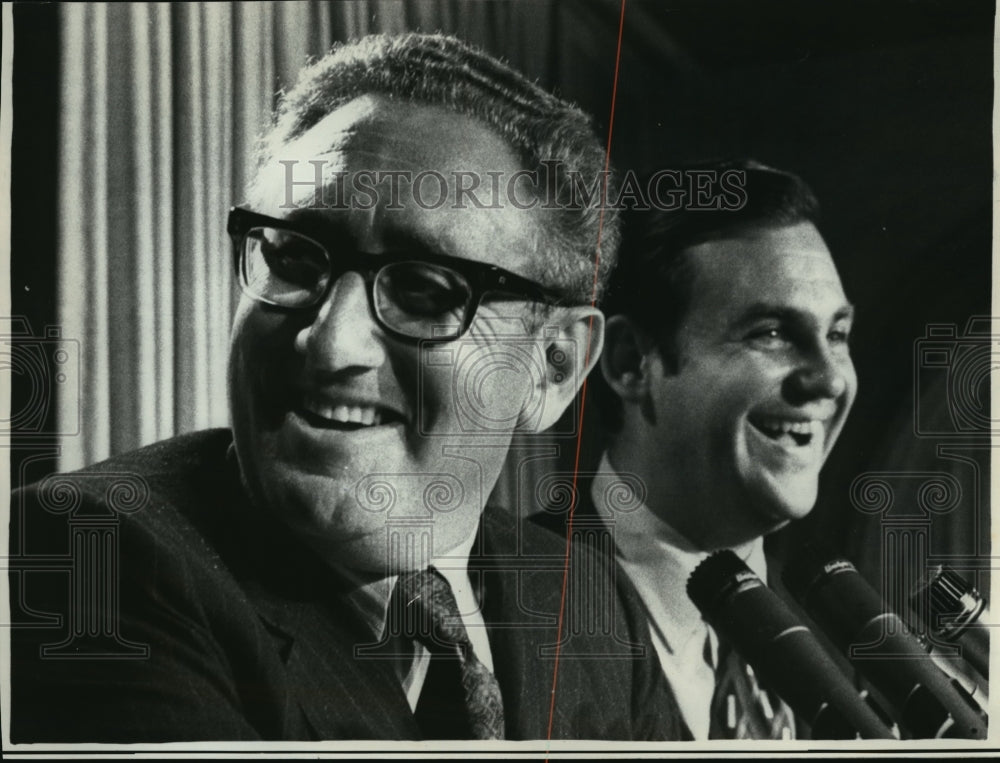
[335, 233]
[411, 242]
[759, 310]
[845, 313]
[315, 221]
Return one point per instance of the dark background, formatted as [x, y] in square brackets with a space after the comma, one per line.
[885, 108]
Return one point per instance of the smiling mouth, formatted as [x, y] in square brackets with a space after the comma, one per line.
[346, 417]
[785, 431]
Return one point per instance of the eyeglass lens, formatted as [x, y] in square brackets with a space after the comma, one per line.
[417, 299]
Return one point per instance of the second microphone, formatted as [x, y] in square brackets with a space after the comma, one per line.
[781, 649]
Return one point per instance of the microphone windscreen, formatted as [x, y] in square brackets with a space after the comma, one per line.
[955, 611]
[878, 643]
[781, 649]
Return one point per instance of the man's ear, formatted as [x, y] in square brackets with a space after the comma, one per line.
[623, 362]
[571, 338]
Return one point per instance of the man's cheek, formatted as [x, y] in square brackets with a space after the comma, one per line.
[482, 392]
[505, 401]
[505, 393]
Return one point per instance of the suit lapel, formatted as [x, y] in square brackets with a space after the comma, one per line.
[339, 695]
[521, 618]
[312, 630]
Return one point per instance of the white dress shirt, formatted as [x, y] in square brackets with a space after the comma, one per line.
[372, 601]
[659, 561]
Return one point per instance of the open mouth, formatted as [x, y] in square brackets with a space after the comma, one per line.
[785, 431]
[347, 418]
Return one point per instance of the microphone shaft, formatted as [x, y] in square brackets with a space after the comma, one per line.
[879, 645]
[782, 650]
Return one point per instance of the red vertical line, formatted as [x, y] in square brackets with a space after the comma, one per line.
[583, 389]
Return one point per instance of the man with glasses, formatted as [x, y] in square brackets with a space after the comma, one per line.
[327, 569]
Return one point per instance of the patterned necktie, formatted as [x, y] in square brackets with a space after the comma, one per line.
[460, 698]
[741, 709]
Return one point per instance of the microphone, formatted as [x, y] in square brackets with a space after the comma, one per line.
[850, 611]
[955, 612]
[781, 649]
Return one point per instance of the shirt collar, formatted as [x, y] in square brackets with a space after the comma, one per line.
[370, 598]
[660, 560]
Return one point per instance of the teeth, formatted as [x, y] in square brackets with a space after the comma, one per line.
[784, 426]
[345, 414]
[802, 431]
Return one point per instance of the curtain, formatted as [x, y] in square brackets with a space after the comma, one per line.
[161, 103]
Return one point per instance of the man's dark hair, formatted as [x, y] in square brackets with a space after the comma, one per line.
[439, 70]
[653, 279]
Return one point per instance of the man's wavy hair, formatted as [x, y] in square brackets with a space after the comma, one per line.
[653, 280]
[439, 70]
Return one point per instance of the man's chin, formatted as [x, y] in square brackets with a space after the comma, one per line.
[359, 546]
[348, 528]
[781, 501]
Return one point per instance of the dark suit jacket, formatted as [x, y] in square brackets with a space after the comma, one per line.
[585, 520]
[585, 513]
[182, 614]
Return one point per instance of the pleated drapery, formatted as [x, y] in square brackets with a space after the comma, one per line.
[161, 105]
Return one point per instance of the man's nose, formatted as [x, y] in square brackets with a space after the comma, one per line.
[343, 333]
[823, 373]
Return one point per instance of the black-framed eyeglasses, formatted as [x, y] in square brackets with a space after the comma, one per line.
[430, 296]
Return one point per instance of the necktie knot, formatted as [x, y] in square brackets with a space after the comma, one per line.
[428, 612]
[460, 698]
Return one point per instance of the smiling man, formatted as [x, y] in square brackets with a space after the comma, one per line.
[329, 569]
[334, 385]
[728, 381]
